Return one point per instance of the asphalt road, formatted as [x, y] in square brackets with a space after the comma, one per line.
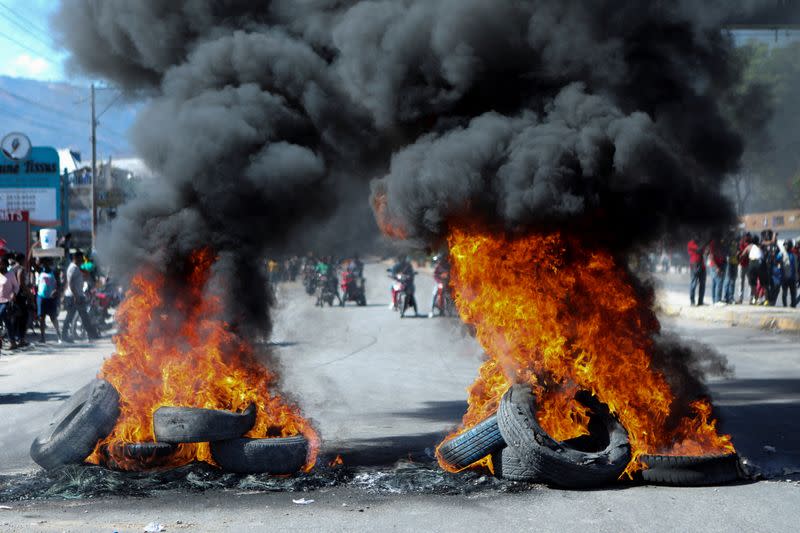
[381, 389]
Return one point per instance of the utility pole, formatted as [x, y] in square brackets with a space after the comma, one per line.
[94, 173]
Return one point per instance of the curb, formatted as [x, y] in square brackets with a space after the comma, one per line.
[734, 317]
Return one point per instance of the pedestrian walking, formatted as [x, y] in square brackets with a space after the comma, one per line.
[75, 299]
[698, 270]
[46, 301]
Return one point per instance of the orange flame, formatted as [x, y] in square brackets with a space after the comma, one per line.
[336, 461]
[196, 361]
[388, 224]
[561, 316]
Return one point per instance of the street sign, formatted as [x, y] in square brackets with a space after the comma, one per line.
[29, 180]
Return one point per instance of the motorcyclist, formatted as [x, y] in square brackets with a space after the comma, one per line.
[326, 270]
[356, 266]
[402, 266]
[441, 274]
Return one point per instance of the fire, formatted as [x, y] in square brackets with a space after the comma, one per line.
[336, 461]
[197, 361]
[553, 311]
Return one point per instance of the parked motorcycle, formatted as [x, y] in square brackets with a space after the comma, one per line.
[98, 305]
[352, 289]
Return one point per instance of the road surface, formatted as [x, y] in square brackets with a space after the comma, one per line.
[382, 390]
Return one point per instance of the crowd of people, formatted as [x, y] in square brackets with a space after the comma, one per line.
[759, 268]
[33, 290]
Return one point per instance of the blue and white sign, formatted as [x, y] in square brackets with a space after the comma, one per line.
[29, 180]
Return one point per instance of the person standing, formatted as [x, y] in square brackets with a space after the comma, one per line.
[754, 256]
[46, 303]
[697, 268]
[789, 279]
[717, 261]
[8, 291]
[744, 262]
[731, 268]
[75, 299]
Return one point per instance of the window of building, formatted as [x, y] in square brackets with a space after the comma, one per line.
[777, 220]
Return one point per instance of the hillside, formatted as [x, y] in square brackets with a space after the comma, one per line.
[58, 114]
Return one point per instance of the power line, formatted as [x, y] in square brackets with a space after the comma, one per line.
[30, 24]
[26, 30]
[21, 45]
[58, 112]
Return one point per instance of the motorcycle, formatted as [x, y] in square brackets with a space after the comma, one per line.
[309, 279]
[443, 301]
[353, 289]
[97, 308]
[403, 289]
[327, 290]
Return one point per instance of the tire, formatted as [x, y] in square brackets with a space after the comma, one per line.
[86, 417]
[562, 463]
[276, 456]
[402, 304]
[683, 470]
[473, 445]
[508, 465]
[191, 424]
[139, 455]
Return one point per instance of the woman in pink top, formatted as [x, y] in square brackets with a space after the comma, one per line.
[9, 286]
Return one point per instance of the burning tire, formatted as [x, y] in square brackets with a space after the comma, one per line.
[577, 463]
[87, 416]
[682, 470]
[473, 445]
[276, 456]
[141, 454]
[192, 424]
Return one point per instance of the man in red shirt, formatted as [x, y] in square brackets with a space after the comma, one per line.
[697, 268]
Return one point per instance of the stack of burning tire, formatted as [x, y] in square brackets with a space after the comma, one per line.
[522, 451]
[90, 414]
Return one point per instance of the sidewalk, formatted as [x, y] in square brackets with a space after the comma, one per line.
[671, 300]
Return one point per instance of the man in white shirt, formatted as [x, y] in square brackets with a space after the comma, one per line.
[75, 299]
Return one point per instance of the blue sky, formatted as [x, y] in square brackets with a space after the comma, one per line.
[26, 44]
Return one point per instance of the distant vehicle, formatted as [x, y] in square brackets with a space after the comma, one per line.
[443, 304]
[404, 292]
[353, 288]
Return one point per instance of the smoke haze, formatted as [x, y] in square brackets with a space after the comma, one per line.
[267, 121]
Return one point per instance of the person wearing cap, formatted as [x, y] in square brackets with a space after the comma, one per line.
[75, 299]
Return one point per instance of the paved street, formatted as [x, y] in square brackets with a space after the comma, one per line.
[381, 389]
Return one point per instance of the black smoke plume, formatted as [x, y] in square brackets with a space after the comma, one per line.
[267, 120]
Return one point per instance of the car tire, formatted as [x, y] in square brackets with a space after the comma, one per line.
[86, 417]
[561, 463]
[472, 445]
[177, 425]
[276, 456]
[693, 471]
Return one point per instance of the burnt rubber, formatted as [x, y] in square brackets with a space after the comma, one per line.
[693, 471]
[569, 464]
[137, 455]
[192, 424]
[277, 456]
[87, 416]
[508, 465]
[145, 450]
[473, 445]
